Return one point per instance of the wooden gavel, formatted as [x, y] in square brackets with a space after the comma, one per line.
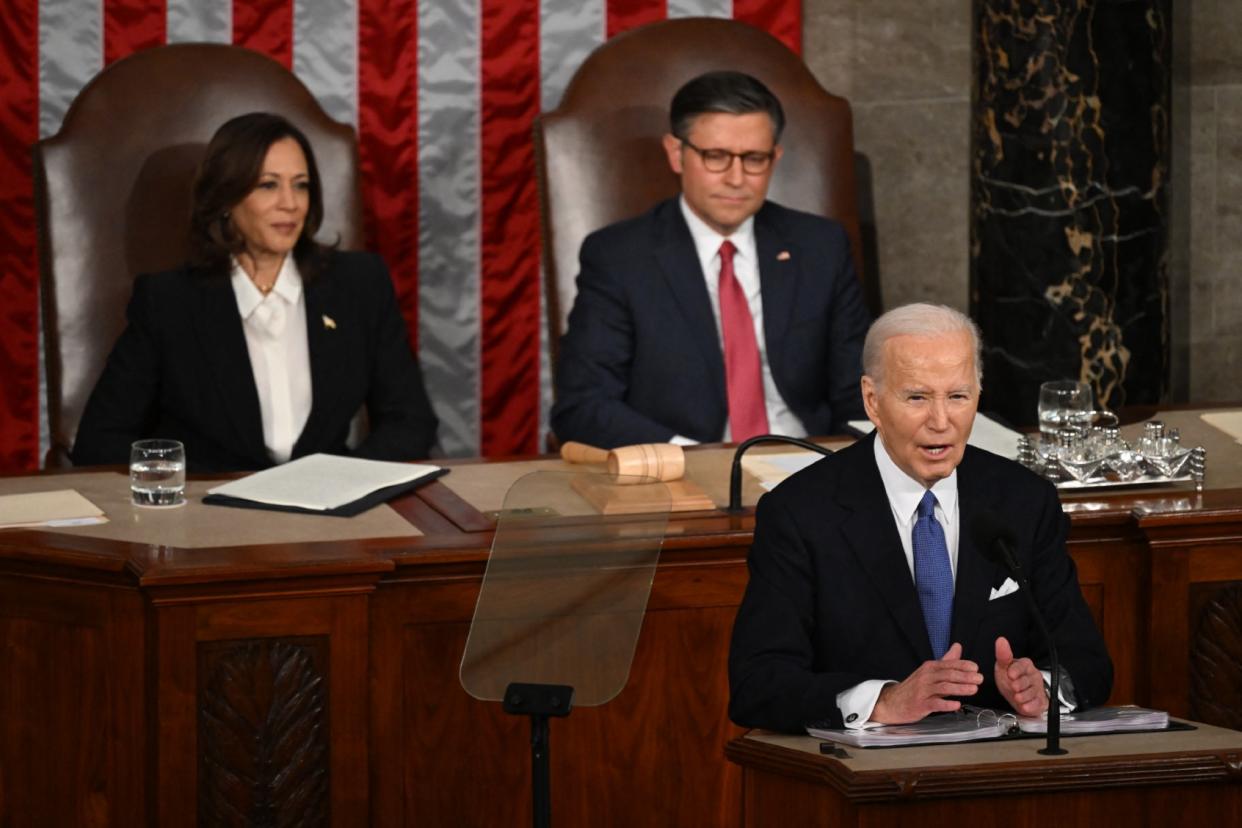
[662, 461]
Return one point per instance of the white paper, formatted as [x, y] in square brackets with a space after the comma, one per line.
[1229, 422]
[1101, 720]
[941, 729]
[771, 469]
[63, 507]
[321, 481]
[986, 434]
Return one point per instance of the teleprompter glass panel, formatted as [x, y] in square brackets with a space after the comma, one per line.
[566, 586]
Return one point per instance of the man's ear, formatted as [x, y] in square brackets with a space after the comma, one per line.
[869, 392]
[672, 148]
[777, 152]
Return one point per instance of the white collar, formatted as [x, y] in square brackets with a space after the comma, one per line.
[288, 286]
[707, 241]
[904, 492]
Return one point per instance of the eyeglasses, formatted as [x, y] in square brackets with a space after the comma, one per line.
[719, 160]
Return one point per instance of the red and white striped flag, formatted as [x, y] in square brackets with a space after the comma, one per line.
[442, 93]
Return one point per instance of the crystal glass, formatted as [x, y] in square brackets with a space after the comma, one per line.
[1063, 403]
[157, 473]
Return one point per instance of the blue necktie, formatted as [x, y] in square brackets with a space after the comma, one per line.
[932, 575]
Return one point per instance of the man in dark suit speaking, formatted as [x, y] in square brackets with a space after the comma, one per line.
[869, 600]
[717, 315]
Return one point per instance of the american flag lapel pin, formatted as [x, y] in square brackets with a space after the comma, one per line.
[329, 322]
[783, 256]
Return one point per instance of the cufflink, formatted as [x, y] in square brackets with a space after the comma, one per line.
[783, 256]
[850, 719]
[329, 322]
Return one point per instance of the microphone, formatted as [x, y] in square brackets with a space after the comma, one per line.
[735, 475]
[996, 542]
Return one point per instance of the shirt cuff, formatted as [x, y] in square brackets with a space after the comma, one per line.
[1068, 703]
[678, 440]
[858, 702]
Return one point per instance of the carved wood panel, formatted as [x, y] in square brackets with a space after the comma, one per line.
[263, 732]
[1216, 653]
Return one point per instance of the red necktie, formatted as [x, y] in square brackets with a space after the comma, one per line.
[743, 373]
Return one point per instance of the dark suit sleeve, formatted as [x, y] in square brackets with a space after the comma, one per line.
[593, 366]
[402, 424]
[123, 406]
[773, 677]
[1054, 584]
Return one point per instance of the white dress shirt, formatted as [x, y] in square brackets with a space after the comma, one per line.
[904, 494]
[275, 328]
[746, 270]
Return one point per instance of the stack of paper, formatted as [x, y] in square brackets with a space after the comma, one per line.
[1101, 720]
[324, 484]
[936, 729]
[64, 507]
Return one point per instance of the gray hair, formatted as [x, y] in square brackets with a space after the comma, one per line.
[918, 319]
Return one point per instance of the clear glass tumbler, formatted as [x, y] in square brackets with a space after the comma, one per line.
[157, 473]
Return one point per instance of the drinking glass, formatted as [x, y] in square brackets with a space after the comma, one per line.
[1063, 403]
[157, 473]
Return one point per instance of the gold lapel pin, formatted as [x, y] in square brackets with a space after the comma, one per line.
[329, 322]
[783, 256]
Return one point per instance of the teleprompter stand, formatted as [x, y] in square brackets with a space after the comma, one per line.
[561, 605]
[539, 701]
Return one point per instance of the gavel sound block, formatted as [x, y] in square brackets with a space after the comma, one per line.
[635, 465]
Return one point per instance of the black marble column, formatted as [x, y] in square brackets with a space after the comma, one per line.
[1069, 226]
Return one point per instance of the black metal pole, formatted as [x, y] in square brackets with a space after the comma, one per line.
[540, 774]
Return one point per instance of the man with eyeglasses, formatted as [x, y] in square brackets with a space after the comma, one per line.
[717, 315]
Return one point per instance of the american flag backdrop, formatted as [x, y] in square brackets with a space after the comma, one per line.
[442, 94]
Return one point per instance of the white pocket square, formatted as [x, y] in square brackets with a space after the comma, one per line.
[1004, 589]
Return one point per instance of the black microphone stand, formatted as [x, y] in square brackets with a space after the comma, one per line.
[735, 477]
[1053, 745]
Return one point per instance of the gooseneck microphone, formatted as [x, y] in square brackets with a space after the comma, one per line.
[995, 541]
[735, 475]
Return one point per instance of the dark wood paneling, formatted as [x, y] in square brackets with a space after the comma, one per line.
[221, 635]
[1216, 653]
[263, 732]
[72, 696]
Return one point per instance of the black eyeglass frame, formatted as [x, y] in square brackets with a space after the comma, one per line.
[764, 159]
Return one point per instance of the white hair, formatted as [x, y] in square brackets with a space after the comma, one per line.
[917, 319]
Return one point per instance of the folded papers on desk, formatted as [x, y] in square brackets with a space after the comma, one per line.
[323, 484]
[63, 507]
[972, 724]
[1101, 720]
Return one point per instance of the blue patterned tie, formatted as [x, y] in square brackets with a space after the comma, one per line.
[932, 575]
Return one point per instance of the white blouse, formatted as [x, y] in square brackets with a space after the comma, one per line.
[275, 328]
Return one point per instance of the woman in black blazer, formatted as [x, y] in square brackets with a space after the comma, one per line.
[264, 347]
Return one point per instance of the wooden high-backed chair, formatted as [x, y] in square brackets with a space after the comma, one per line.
[599, 156]
[113, 193]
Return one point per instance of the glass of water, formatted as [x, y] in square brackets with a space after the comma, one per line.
[1063, 403]
[157, 473]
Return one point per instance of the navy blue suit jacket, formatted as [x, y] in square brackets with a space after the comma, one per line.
[831, 601]
[641, 359]
[181, 370]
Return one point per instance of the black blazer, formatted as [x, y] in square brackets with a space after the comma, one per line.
[641, 359]
[181, 370]
[831, 601]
